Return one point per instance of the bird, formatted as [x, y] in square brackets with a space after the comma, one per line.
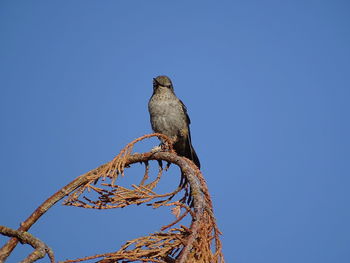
[168, 115]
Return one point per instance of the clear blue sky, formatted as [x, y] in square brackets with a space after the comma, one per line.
[267, 87]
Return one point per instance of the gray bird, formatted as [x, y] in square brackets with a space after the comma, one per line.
[169, 117]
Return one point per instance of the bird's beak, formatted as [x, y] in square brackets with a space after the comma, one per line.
[155, 82]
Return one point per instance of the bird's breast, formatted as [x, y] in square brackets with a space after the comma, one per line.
[167, 115]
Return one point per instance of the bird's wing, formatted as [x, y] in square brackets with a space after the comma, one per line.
[193, 156]
[185, 111]
[188, 122]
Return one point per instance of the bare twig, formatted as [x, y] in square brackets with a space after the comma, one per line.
[41, 249]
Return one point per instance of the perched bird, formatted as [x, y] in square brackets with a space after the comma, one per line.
[169, 117]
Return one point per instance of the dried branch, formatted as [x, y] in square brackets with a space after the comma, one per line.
[198, 243]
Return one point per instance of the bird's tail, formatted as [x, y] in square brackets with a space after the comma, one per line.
[184, 148]
[190, 153]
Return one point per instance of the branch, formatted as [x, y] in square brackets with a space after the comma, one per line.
[6, 250]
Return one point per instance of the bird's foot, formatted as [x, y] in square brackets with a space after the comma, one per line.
[161, 147]
[156, 149]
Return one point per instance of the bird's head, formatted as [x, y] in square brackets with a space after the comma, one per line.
[162, 82]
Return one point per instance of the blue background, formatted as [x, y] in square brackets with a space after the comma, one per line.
[267, 87]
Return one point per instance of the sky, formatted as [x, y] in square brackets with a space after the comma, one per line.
[267, 88]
